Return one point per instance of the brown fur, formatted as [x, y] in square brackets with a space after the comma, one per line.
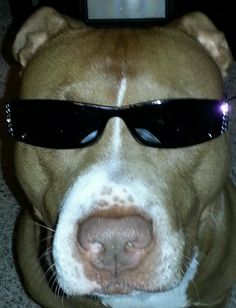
[64, 59]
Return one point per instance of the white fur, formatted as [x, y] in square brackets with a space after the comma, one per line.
[84, 198]
[175, 298]
[121, 92]
[116, 137]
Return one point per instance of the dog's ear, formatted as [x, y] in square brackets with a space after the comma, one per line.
[36, 31]
[200, 27]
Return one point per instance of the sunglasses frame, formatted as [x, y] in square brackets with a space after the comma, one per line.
[104, 113]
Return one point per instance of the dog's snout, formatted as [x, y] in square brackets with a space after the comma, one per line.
[115, 244]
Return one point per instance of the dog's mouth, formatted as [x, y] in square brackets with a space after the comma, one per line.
[118, 287]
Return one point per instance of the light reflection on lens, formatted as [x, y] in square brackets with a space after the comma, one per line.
[225, 108]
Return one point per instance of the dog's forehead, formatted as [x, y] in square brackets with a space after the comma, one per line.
[89, 66]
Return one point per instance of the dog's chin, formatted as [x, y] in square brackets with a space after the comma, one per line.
[115, 289]
[121, 288]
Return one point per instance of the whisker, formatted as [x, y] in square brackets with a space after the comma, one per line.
[49, 269]
[62, 297]
[43, 226]
[187, 260]
[52, 280]
[46, 253]
[44, 277]
[54, 285]
[196, 289]
[58, 291]
[46, 239]
[30, 220]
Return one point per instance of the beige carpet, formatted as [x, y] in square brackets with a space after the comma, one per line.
[11, 292]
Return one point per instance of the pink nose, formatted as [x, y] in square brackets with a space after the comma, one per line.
[115, 244]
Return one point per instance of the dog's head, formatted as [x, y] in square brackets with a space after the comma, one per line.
[127, 217]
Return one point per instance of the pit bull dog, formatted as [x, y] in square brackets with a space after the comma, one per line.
[122, 151]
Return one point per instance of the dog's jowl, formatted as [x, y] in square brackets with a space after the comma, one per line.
[122, 150]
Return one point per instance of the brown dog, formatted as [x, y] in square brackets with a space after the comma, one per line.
[130, 224]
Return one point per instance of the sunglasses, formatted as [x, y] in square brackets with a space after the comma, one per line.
[165, 123]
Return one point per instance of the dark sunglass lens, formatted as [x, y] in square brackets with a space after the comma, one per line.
[176, 123]
[53, 124]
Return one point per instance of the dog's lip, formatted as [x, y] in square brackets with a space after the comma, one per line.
[116, 288]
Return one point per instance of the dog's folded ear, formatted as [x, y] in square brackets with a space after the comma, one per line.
[200, 27]
[36, 31]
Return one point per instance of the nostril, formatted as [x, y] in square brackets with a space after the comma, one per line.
[132, 246]
[129, 246]
[94, 247]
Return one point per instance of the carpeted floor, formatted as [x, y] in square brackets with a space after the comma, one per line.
[11, 292]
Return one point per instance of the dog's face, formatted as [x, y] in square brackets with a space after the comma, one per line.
[127, 217]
